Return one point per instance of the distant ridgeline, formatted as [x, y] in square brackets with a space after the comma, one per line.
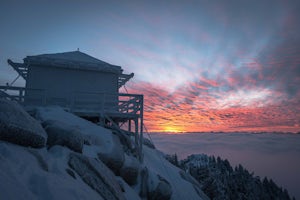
[220, 181]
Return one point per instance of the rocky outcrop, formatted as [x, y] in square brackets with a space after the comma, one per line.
[162, 191]
[62, 134]
[114, 158]
[18, 127]
[97, 176]
[130, 169]
[154, 187]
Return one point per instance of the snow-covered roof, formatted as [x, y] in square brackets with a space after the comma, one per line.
[73, 60]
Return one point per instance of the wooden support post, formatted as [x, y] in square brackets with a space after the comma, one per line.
[129, 125]
[141, 127]
[136, 126]
[102, 119]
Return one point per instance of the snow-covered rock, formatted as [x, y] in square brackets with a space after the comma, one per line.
[128, 192]
[64, 135]
[113, 159]
[157, 165]
[162, 191]
[130, 169]
[97, 176]
[23, 176]
[110, 149]
[18, 127]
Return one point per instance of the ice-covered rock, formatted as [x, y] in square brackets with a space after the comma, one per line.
[130, 169]
[62, 134]
[158, 165]
[109, 147]
[97, 176]
[129, 193]
[115, 158]
[18, 127]
[162, 191]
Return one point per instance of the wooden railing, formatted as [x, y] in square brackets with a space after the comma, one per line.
[78, 101]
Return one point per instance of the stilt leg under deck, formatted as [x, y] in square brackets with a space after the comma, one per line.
[129, 125]
[136, 126]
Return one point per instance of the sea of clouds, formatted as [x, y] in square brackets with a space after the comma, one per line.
[274, 155]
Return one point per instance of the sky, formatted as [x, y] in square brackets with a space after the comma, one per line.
[201, 65]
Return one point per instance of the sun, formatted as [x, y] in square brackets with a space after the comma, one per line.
[172, 129]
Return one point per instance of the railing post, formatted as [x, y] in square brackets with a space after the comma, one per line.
[136, 126]
[129, 125]
[141, 127]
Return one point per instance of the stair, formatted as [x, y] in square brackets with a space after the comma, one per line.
[19, 67]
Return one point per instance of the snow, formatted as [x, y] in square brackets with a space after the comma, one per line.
[111, 152]
[96, 175]
[155, 162]
[61, 134]
[22, 177]
[96, 135]
[60, 173]
[18, 127]
[79, 60]
[129, 193]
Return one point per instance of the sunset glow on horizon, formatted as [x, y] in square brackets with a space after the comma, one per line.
[179, 112]
[202, 65]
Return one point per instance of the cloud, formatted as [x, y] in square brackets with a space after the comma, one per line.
[263, 154]
[194, 108]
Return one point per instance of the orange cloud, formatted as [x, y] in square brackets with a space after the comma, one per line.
[194, 109]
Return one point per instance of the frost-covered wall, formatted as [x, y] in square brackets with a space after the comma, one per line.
[61, 85]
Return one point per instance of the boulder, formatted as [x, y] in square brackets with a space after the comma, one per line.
[107, 145]
[95, 174]
[130, 169]
[155, 186]
[18, 127]
[63, 134]
[113, 157]
[144, 182]
[163, 190]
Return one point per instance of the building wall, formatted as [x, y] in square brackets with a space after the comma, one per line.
[62, 86]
